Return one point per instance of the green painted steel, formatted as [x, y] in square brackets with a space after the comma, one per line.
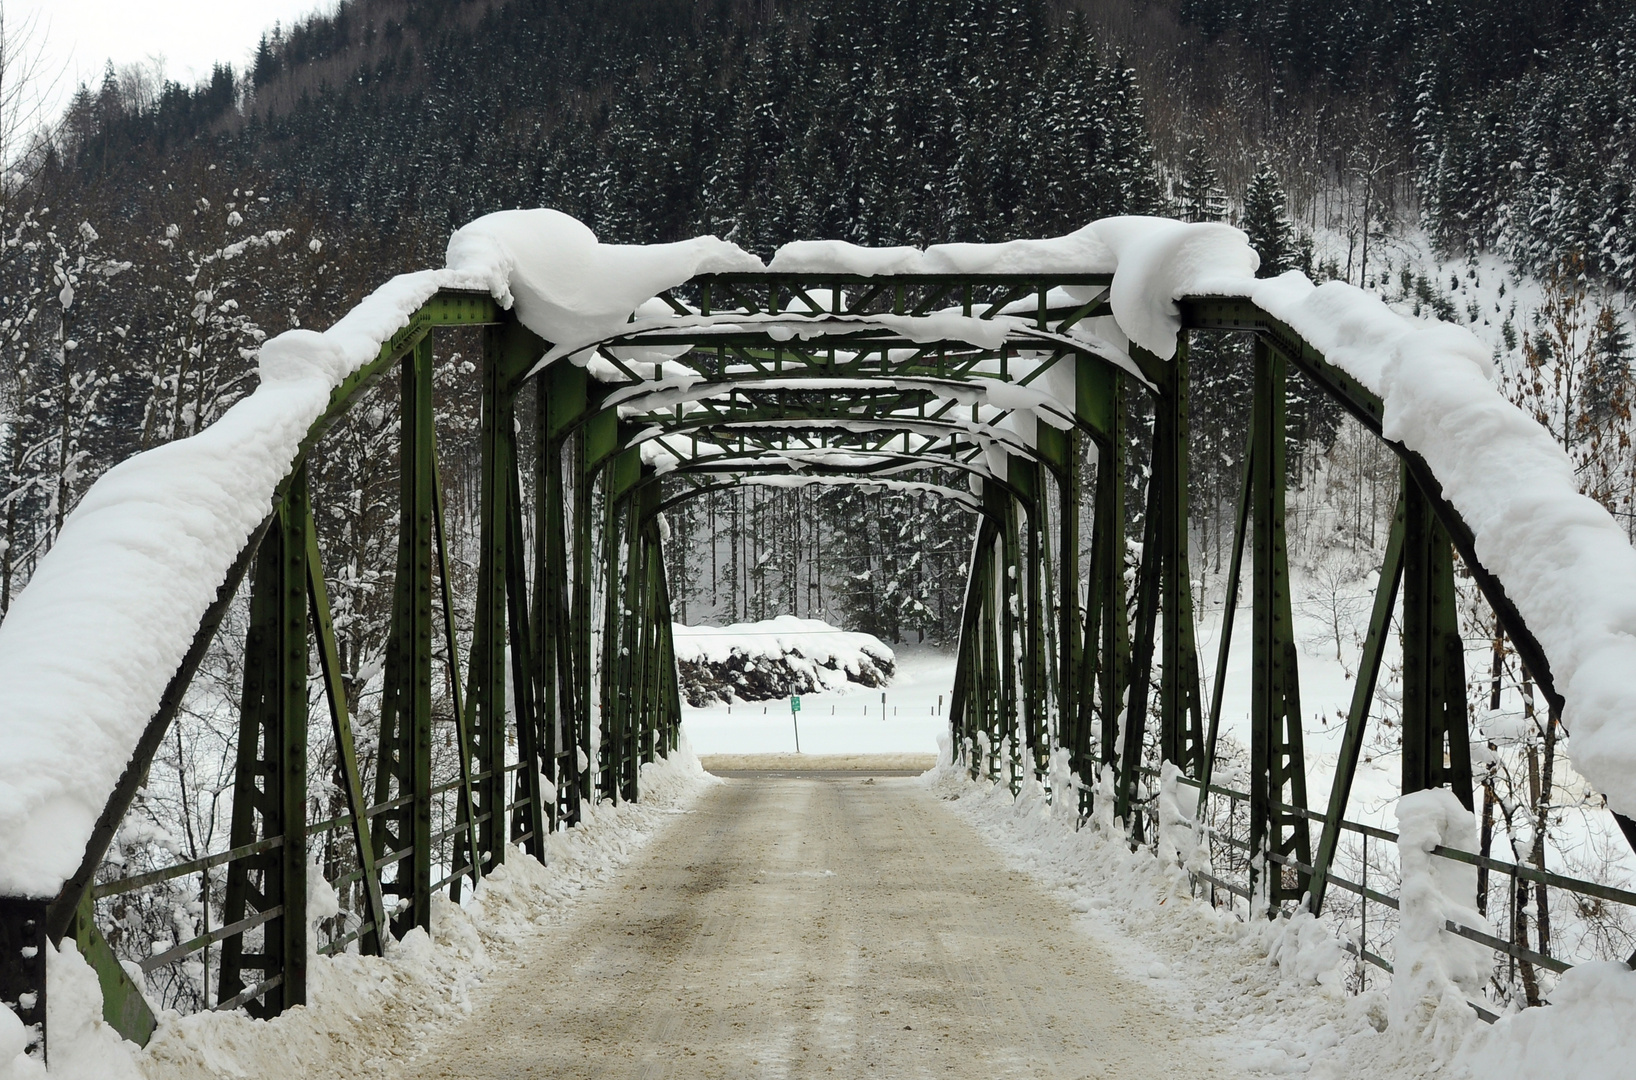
[1049, 657]
[466, 839]
[485, 694]
[1357, 716]
[1229, 615]
[346, 752]
[270, 789]
[1181, 729]
[123, 1007]
[1277, 762]
[403, 777]
[1436, 743]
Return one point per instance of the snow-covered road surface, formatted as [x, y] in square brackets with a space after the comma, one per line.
[801, 926]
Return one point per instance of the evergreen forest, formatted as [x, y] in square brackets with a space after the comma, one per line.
[157, 232]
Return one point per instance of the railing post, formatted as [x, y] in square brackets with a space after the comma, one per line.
[270, 788]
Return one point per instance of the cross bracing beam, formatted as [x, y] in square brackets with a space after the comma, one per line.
[724, 346]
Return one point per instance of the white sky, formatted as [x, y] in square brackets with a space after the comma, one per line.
[80, 36]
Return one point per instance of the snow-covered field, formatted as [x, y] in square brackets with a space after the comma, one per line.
[845, 721]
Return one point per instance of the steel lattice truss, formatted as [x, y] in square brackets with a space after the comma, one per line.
[790, 378]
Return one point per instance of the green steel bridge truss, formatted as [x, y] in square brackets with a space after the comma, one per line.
[1046, 660]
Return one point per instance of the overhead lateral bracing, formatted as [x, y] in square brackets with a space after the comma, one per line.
[757, 378]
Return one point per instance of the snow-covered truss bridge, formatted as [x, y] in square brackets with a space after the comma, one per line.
[659, 373]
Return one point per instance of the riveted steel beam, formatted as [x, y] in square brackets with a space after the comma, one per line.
[270, 778]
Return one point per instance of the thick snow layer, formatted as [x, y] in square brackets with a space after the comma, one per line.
[1160, 261]
[840, 257]
[1435, 971]
[567, 286]
[367, 1015]
[1584, 1033]
[1084, 251]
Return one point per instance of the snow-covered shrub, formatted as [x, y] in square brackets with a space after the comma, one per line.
[775, 659]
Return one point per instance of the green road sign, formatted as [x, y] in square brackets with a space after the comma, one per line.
[795, 704]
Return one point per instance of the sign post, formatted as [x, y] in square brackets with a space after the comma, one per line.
[795, 707]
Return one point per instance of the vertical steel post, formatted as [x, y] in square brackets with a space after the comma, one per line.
[582, 614]
[1149, 579]
[545, 603]
[485, 686]
[1014, 726]
[1277, 768]
[270, 782]
[667, 663]
[965, 711]
[1436, 740]
[1069, 646]
[528, 820]
[631, 615]
[563, 390]
[1181, 728]
[408, 696]
[1028, 479]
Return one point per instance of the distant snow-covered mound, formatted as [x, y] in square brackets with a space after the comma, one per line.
[766, 660]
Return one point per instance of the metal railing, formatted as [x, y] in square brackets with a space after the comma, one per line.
[354, 919]
[1513, 951]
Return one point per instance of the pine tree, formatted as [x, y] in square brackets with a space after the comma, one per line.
[1200, 197]
[1266, 220]
[1606, 394]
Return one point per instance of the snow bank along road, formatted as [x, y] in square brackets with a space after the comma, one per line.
[818, 926]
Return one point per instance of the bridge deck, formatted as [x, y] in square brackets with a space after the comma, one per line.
[818, 925]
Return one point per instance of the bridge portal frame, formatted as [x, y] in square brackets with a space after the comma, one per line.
[541, 615]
